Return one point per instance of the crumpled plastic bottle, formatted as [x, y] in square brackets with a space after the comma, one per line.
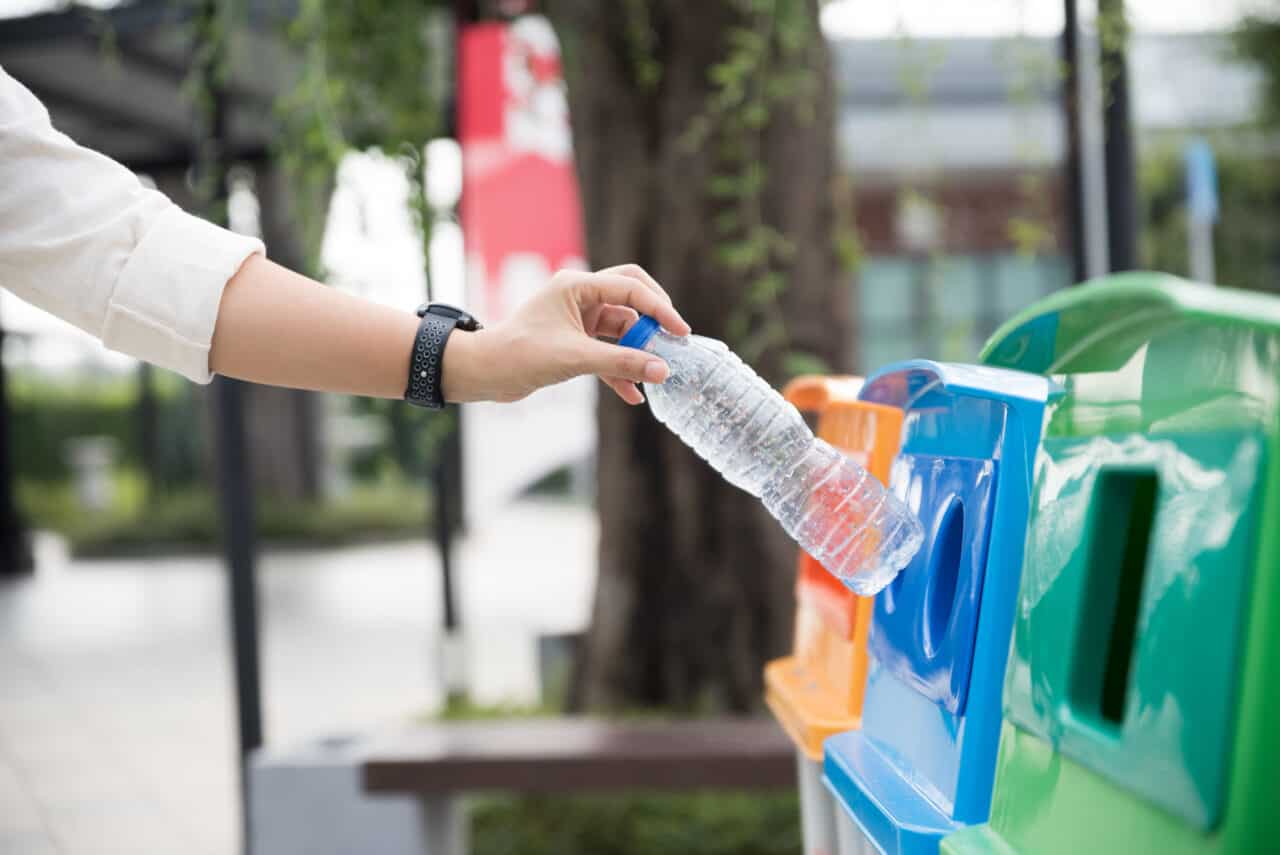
[837, 511]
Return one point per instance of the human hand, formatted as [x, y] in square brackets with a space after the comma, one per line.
[552, 338]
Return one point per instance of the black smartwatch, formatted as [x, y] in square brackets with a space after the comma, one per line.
[426, 365]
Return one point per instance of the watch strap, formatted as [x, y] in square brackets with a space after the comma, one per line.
[426, 367]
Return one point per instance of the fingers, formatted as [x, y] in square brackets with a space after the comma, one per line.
[635, 271]
[613, 321]
[604, 319]
[619, 290]
[621, 363]
[625, 389]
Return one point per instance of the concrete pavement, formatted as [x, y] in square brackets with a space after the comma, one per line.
[116, 706]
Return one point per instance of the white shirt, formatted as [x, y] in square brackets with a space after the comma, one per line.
[81, 238]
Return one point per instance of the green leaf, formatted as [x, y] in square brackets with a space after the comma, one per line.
[754, 115]
[742, 256]
[745, 40]
[798, 362]
[767, 287]
[726, 222]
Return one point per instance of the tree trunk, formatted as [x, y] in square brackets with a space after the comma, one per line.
[695, 578]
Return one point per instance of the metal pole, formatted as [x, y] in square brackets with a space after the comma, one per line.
[1072, 175]
[234, 487]
[447, 470]
[15, 557]
[1122, 191]
[444, 523]
[1093, 178]
[442, 517]
[236, 504]
[148, 433]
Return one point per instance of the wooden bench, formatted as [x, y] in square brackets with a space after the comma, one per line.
[438, 762]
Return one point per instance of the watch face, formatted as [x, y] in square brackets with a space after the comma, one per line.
[464, 319]
[445, 310]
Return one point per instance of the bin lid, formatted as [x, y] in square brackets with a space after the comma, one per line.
[1142, 352]
[1097, 326]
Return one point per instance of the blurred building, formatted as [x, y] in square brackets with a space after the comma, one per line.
[955, 148]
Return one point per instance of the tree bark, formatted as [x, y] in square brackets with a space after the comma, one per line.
[695, 578]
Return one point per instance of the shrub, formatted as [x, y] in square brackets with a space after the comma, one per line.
[188, 520]
[44, 417]
[705, 823]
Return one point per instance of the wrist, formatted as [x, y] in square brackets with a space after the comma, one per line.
[458, 375]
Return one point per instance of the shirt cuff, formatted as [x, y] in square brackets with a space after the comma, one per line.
[165, 303]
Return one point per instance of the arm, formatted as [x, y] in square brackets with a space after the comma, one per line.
[83, 239]
[282, 329]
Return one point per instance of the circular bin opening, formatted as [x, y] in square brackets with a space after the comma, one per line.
[944, 573]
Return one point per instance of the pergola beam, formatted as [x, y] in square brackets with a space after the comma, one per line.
[83, 22]
[137, 54]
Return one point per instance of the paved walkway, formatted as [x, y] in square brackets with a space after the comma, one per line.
[116, 709]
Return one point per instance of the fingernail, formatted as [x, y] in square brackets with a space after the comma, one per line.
[655, 371]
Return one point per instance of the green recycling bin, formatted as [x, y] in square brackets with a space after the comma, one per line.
[1143, 686]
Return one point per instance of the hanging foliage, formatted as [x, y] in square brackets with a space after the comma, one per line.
[1257, 39]
[373, 75]
[760, 72]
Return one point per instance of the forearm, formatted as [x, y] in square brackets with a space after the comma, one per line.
[280, 328]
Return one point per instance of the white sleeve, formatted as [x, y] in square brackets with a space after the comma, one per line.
[81, 238]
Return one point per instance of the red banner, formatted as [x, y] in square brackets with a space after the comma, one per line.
[521, 215]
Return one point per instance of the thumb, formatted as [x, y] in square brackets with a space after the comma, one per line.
[611, 360]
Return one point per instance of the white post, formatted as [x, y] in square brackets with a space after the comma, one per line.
[1200, 250]
[92, 459]
[445, 824]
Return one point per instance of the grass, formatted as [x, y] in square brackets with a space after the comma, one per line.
[709, 823]
[187, 521]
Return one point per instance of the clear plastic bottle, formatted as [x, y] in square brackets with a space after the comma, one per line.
[837, 511]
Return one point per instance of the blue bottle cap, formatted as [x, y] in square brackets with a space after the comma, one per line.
[640, 333]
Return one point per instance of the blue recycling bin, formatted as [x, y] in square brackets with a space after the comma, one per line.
[923, 763]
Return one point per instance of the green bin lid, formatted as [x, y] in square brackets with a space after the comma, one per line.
[1097, 326]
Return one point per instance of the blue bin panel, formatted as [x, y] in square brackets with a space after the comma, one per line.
[870, 786]
[924, 762]
[926, 620]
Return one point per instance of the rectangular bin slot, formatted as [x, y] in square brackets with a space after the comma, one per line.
[1124, 509]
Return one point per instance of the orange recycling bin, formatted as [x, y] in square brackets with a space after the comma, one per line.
[816, 692]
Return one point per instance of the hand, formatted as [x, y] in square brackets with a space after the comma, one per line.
[552, 338]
